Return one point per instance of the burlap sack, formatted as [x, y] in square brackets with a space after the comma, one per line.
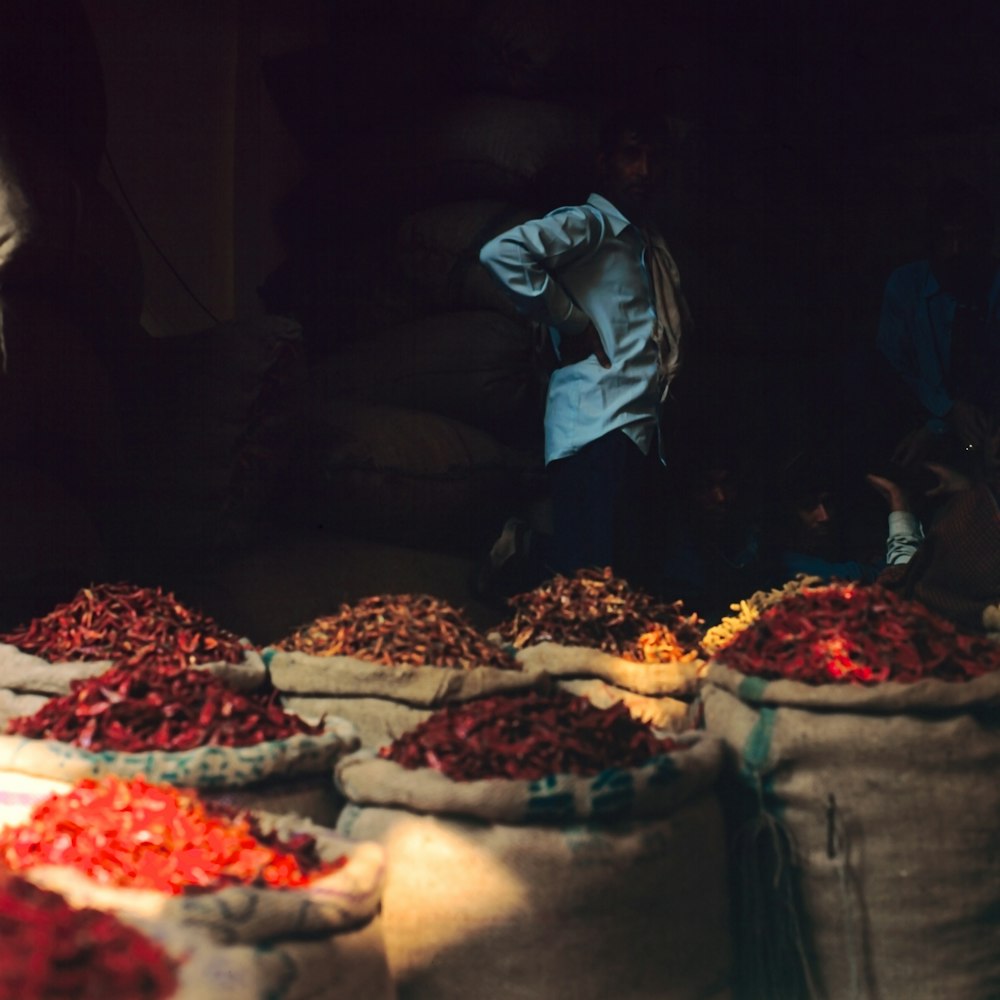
[14, 703]
[408, 477]
[20, 793]
[675, 679]
[343, 966]
[376, 720]
[322, 940]
[478, 903]
[664, 714]
[886, 800]
[437, 253]
[381, 702]
[290, 774]
[472, 365]
[26, 673]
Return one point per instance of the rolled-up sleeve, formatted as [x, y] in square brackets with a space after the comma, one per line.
[526, 262]
[905, 537]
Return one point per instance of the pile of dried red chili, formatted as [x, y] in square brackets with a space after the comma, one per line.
[526, 736]
[125, 623]
[51, 951]
[413, 629]
[596, 609]
[149, 836]
[845, 633]
[156, 706]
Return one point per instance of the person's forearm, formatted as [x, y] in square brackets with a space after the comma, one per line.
[524, 260]
[905, 536]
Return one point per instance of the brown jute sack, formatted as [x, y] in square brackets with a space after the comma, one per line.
[322, 940]
[676, 679]
[381, 701]
[292, 774]
[516, 889]
[886, 800]
[26, 673]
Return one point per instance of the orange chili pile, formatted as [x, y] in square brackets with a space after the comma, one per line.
[148, 836]
[526, 736]
[596, 609]
[413, 629]
[156, 706]
[854, 634]
[125, 623]
[51, 951]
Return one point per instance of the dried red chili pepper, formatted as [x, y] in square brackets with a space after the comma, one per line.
[528, 736]
[851, 633]
[413, 629]
[596, 609]
[51, 951]
[156, 706]
[148, 836]
[125, 623]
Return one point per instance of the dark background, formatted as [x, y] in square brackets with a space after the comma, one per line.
[261, 163]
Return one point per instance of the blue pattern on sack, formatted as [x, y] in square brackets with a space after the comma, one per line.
[612, 793]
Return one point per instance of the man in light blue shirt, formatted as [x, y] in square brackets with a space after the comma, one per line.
[600, 278]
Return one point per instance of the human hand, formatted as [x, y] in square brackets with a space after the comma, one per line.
[949, 480]
[573, 349]
[893, 494]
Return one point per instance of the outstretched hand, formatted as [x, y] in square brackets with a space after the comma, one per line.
[893, 494]
[576, 348]
[949, 480]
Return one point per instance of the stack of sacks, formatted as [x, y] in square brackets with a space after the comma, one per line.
[609, 642]
[386, 662]
[105, 624]
[169, 696]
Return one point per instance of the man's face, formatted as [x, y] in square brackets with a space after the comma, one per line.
[630, 172]
[814, 519]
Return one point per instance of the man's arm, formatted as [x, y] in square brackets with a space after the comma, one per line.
[525, 260]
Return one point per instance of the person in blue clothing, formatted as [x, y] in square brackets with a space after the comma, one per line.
[805, 531]
[939, 330]
[600, 277]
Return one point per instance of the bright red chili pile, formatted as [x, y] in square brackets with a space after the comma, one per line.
[526, 736]
[147, 836]
[854, 634]
[155, 706]
[51, 951]
[125, 623]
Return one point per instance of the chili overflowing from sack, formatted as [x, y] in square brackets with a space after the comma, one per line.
[413, 629]
[159, 706]
[148, 836]
[125, 623]
[594, 608]
[51, 951]
[854, 634]
[527, 736]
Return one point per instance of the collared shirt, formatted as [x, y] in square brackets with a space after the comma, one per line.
[914, 331]
[579, 264]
